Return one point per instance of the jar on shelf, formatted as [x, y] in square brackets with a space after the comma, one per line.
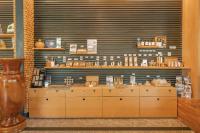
[39, 44]
[2, 44]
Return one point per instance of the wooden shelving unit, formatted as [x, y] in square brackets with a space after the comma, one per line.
[49, 49]
[6, 35]
[100, 67]
[10, 16]
[6, 49]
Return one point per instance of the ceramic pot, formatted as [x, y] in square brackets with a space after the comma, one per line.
[39, 44]
[12, 93]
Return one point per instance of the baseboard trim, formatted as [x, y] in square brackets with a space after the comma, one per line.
[105, 128]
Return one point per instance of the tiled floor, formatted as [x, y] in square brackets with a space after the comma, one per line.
[136, 125]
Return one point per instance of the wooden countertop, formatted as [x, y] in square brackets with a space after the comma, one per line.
[82, 86]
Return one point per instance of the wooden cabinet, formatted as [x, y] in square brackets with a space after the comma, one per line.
[98, 102]
[84, 107]
[121, 102]
[158, 102]
[158, 106]
[45, 103]
[84, 102]
[120, 106]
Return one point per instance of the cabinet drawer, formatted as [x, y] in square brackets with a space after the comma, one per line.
[121, 92]
[85, 91]
[46, 93]
[84, 107]
[45, 107]
[158, 106]
[120, 106]
[157, 91]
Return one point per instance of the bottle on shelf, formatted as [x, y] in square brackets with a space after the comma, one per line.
[135, 60]
[1, 30]
[125, 60]
[132, 79]
[138, 41]
[130, 60]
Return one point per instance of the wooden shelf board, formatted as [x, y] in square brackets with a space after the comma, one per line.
[84, 54]
[6, 49]
[154, 47]
[50, 49]
[6, 35]
[163, 68]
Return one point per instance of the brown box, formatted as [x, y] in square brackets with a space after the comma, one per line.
[92, 78]
[92, 81]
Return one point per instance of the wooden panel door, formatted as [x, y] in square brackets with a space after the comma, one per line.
[158, 106]
[120, 107]
[121, 92]
[85, 107]
[47, 107]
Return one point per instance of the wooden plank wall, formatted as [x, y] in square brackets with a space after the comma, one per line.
[191, 41]
[189, 113]
[116, 25]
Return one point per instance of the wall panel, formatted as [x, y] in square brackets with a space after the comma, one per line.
[116, 25]
[191, 41]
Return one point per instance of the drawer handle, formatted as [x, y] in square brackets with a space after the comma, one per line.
[147, 90]
[158, 99]
[121, 99]
[131, 90]
[94, 90]
[57, 90]
[47, 99]
[110, 90]
[170, 90]
[83, 99]
[72, 90]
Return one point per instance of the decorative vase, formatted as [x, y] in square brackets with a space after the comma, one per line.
[39, 44]
[12, 95]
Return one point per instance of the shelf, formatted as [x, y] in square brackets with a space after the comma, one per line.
[6, 35]
[84, 54]
[6, 49]
[163, 68]
[154, 47]
[49, 49]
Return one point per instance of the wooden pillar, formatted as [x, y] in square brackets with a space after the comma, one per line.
[28, 43]
[191, 42]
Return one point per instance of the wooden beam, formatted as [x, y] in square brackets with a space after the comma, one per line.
[189, 113]
[191, 42]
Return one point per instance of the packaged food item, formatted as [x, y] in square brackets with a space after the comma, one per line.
[92, 81]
